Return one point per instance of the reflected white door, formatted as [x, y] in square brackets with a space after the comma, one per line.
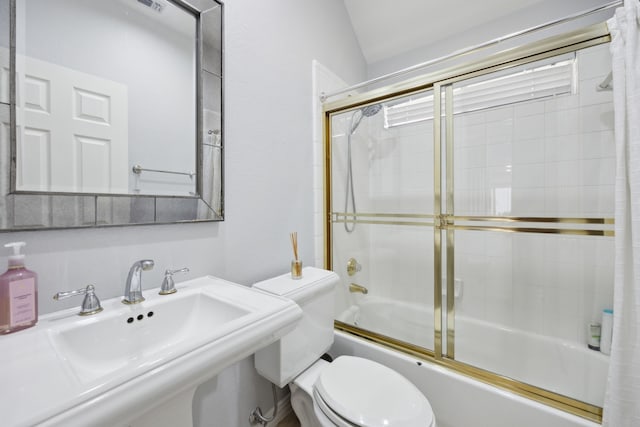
[72, 130]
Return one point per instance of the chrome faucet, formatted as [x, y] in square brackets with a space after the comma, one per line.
[90, 304]
[168, 285]
[133, 288]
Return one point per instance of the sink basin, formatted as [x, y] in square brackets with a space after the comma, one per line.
[111, 368]
[156, 330]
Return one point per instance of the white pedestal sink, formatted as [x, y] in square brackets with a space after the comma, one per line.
[135, 365]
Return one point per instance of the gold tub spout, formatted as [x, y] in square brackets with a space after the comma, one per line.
[354, 287]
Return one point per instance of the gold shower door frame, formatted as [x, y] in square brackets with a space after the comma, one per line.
[443, 220]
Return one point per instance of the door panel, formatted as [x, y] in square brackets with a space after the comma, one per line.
[87, 128]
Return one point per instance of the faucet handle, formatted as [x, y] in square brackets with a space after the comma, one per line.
[168, 285]
[90, 304]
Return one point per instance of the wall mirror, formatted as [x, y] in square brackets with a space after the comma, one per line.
[110, 113]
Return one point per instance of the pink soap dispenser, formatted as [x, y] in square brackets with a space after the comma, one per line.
[18, 294]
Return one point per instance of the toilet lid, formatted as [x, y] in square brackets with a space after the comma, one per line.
[368, 394]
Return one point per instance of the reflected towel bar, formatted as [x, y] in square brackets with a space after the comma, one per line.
[137, 169]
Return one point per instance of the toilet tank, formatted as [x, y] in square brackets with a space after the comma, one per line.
[285, 359]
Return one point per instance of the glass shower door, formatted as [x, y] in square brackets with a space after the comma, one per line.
[483, 239]
[382, 200]
[532, 167]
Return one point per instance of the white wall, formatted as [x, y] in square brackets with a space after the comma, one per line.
[268, 183]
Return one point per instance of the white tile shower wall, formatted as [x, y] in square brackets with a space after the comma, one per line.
[552, 285]
[401, 181]
[401, 168]
[345, 246]
[401, 260]
[393, 173]
[552, 158]
[352, 244]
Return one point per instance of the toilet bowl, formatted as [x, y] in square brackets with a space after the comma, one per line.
[353, 391]
[348, 392]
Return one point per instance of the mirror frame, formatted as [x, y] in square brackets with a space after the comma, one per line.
[92, 210]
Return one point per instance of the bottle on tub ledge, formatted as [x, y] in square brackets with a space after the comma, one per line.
[593, 337]
[18, 294]
[607, 331]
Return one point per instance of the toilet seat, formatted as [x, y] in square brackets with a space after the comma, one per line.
[325, 414]
[357, 392]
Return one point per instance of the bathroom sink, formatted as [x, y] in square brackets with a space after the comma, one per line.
[114, 367]
[156, 330]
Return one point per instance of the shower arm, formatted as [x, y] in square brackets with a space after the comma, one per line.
[606, 83]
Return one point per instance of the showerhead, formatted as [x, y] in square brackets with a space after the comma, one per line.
[367, 111]
[371, 110]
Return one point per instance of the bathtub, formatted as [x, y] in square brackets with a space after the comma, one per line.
[565, 368]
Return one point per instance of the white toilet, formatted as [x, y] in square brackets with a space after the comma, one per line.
[350, 391]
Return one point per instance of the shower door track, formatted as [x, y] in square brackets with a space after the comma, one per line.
[555, 400]
[444, 222]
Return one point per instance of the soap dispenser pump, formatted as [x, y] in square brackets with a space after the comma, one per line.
[18, 294]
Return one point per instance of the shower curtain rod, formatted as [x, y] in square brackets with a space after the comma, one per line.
[324, 97]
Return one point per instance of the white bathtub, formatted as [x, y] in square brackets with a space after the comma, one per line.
[566, 368]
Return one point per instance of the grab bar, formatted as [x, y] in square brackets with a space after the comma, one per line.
[137, 169]
[354, 287]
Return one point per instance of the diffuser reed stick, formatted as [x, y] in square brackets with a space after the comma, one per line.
[296, 263]
[294, 244]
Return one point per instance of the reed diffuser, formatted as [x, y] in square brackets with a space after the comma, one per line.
[296, 263]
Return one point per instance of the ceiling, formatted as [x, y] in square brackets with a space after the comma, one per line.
[387, 28]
